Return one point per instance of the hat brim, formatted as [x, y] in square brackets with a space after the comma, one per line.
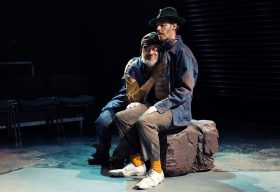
[173, 18]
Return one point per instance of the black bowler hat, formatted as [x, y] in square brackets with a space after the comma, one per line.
[167, 13]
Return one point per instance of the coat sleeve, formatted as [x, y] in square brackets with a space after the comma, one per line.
[134, 91]
[183, 87]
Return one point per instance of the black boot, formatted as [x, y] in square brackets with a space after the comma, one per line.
[116, 163]
[100, 157]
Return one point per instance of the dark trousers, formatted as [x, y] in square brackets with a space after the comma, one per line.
[102, 125]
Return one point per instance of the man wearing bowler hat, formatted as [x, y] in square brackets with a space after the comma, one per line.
[169, 101]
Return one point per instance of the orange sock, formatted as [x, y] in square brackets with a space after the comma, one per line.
[156, 165]
[136, 160]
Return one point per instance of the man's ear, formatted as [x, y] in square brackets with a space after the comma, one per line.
[175, 26]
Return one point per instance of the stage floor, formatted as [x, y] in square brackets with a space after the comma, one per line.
[244, 162]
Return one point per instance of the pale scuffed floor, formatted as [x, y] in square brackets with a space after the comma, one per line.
[243, 163]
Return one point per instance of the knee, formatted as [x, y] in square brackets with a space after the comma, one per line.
[103, 121]
[119, 116]
[143, 124]
[99, 121]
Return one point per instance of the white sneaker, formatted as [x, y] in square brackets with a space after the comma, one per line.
[129, 170]
[152, 179]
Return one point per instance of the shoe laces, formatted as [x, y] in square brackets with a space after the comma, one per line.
[150, 173]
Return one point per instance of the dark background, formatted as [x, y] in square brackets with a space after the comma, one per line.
[236, 43]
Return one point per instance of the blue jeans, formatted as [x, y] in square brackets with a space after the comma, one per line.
[102, 125]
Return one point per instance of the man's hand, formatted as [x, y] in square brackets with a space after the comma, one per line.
[158, 70]
[150, 110]
[133, 104]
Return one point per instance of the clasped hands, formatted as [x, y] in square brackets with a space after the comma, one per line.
[135, 104]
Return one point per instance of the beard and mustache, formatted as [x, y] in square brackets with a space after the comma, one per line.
[150, 62]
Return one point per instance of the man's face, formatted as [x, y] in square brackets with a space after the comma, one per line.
[150, 55]
[166, 30]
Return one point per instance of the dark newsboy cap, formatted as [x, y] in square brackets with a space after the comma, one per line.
[169, 13]
[150, 39]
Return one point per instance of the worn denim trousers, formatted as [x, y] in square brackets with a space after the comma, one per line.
[102, 125]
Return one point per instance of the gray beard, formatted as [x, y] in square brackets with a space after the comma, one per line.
[149, 63]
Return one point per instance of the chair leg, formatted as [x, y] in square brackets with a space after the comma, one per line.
[51, 118]
[9, 124]
[14, 127]
[18, 135]
[62, 129]
[17, 127]
[59, 128]
[15, 135]
[60, 118]
[82, 126]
